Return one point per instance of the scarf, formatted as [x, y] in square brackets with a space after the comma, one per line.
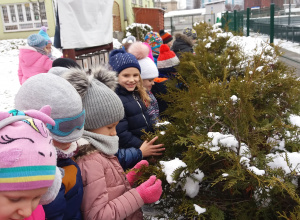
[106, 144]
[64, 154]
[41, 50]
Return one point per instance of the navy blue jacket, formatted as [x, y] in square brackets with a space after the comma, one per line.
[135, 120]
[129, 157]
[67, 203]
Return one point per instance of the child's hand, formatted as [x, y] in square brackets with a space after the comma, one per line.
[149, 149]
[132, 176]
[151, 190]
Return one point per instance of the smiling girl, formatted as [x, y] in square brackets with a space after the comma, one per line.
[135, 101]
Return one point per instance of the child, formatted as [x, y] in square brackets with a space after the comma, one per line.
[33, 59]
[27, 163]
[166, 64]
[68, 113]
[48, 48]
[127, 42]
[107, 193]
[148, 73]
[166, 37]
[134, 98]
[155, 41]
[184, 42]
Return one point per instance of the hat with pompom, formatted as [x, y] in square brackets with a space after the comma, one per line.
[119, 60]
[148, 67]
[36, 40]
[167, 60]
[165, 36]
[43, 33]
[154, 40]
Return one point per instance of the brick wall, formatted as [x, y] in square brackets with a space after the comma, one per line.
[262, 3]
[152, 16]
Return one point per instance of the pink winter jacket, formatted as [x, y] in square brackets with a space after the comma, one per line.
[37, 214]
[106, 192]
[31, 63]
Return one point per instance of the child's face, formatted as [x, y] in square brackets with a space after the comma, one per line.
[19, 204]
[62, 146]
[108, 130]
[48, 47]
[170, 43]
[129, 78]
[148, 83]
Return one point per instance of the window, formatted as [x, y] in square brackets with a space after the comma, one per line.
[23, 16]
[133, 1]
[141, 2]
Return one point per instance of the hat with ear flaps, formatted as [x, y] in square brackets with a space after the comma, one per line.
[148, 67]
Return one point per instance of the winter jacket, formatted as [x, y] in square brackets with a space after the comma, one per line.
[135, 120]
[158, 88]
[37, 214]
[32, 63]
[68, 201]
[129, 157]
[182, 44]
[107, 193]
[153, 109]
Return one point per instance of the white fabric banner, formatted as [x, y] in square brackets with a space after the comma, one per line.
[85, 23]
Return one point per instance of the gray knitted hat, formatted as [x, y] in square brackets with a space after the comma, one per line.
[102, 105]
[49, 89]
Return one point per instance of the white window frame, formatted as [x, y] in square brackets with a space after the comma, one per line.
[36, 24]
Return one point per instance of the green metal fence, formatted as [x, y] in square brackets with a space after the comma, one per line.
[273, 21]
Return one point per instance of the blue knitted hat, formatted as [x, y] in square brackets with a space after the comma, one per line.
[120, 60]
[43, 33]
[36, 40]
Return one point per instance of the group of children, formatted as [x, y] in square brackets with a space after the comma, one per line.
[96, 125]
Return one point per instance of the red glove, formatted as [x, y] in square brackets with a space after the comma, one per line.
[132, 176]
[151, 190]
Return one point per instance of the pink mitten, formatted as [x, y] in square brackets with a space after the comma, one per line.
[132, 176]
[151, 190]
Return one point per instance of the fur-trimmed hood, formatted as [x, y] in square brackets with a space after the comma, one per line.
[183, 37]
[81, 81]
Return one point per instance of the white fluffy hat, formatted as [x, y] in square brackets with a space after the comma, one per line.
[148, 67]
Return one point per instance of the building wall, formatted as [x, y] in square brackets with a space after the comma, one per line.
[262, 3]
[152, 16]
[24, 34]
[167, 6]
[215, 8]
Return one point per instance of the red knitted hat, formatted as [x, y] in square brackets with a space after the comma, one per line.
[167, 59]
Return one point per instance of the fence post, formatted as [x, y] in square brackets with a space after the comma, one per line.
[248, 22]
[235, 21]
[171, 21]
[272, 23]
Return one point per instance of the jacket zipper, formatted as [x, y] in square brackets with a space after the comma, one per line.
[136, 99]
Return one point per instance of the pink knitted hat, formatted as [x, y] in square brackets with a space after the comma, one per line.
[27, 156]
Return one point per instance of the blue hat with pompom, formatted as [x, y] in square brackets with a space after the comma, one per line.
[36, 40]
[120, 60]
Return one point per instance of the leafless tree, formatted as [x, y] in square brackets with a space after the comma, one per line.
[228, 7]
[37, 10]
